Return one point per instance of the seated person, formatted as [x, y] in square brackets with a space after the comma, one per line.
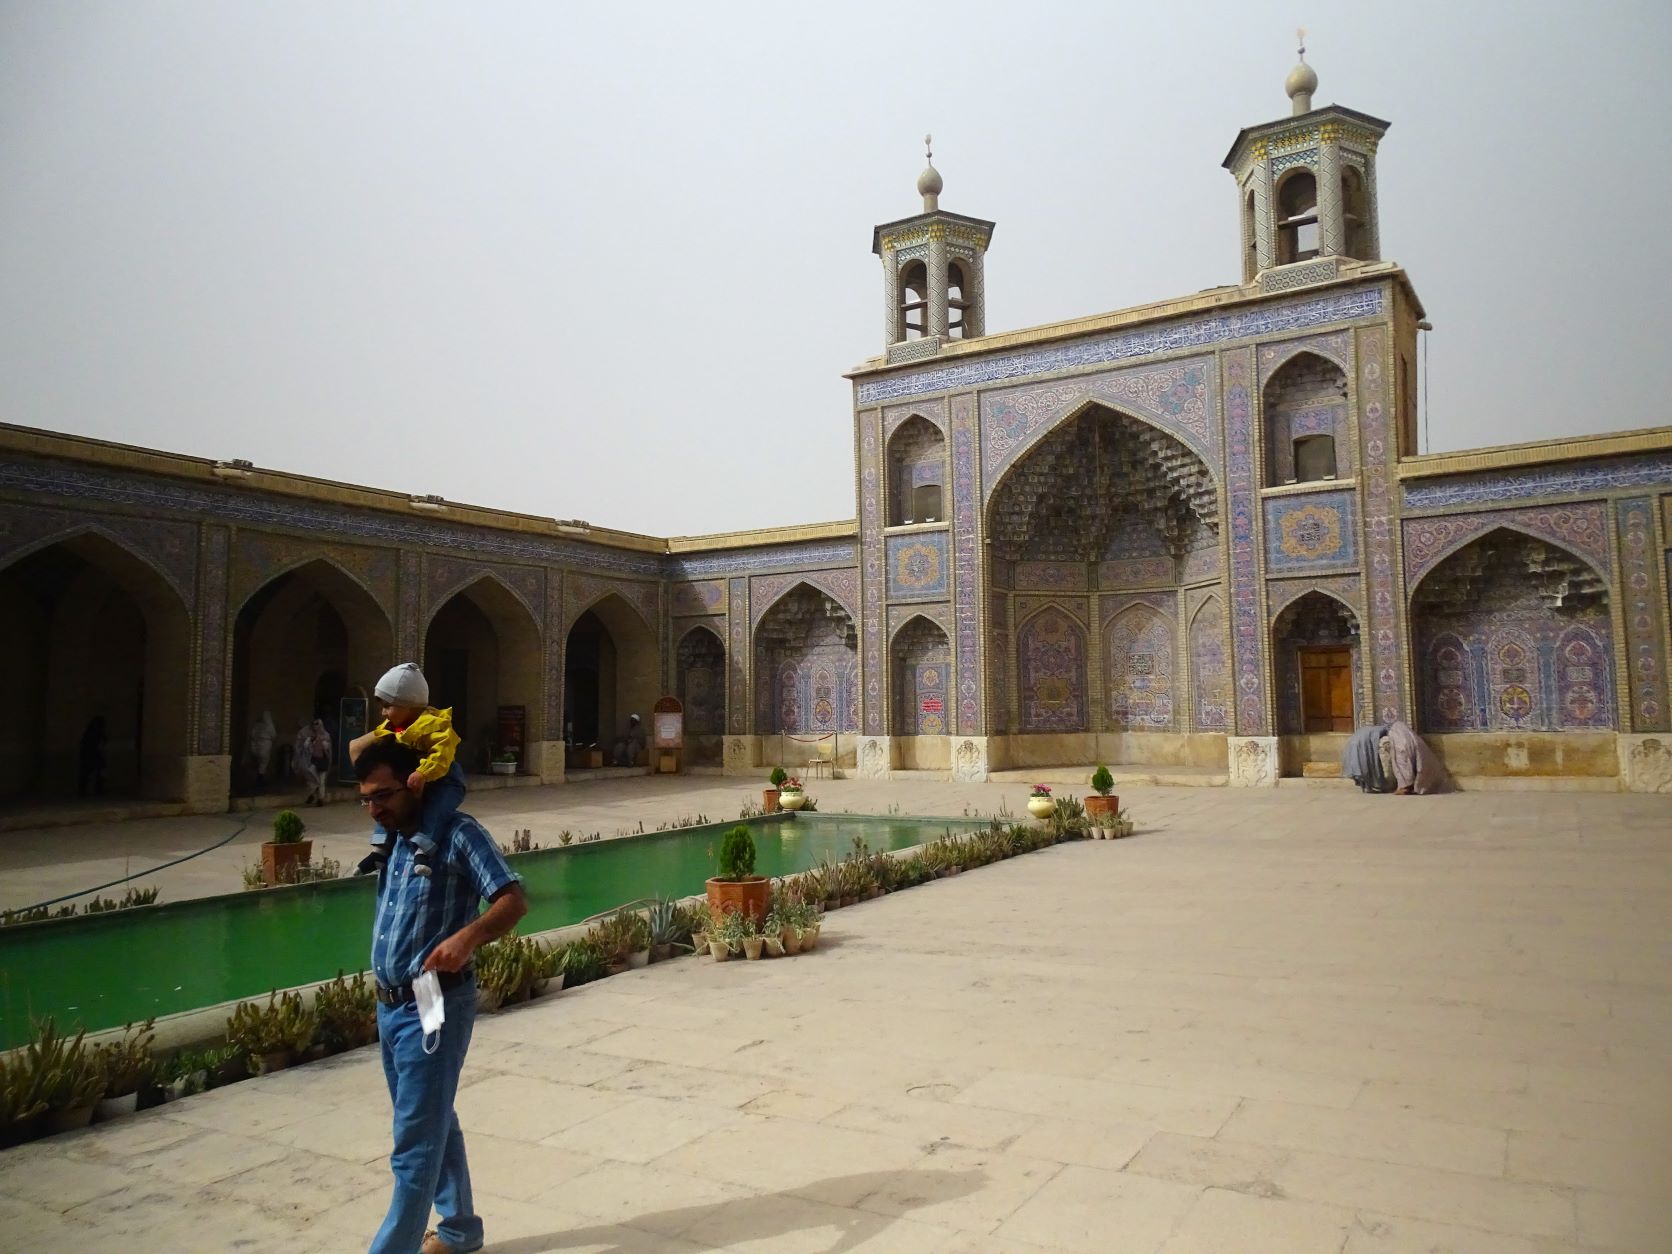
[629, 750]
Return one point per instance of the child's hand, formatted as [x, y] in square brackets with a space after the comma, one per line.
[415, 783]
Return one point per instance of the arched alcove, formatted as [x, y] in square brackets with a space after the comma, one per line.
[806, 666]
[1051, 672]
[700, 668]
[1138, 674]
[303, 640]
[916, 472]
[1297, 216]
[1318, 662]
[482, 651]
[1210, 669]
[1308, 438]
[93, 638]
[611, 669]
[1513, 633]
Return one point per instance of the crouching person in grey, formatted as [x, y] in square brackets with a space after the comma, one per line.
[429, 923]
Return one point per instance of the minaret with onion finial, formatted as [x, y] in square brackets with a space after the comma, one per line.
[1306, 188]
[1302, 81]
[932, 266]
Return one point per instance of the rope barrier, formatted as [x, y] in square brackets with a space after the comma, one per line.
[237, 832]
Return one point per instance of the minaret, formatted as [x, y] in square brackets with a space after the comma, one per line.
[1306, 188]
[934, 290]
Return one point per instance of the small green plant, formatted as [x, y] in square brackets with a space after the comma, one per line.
[565, 837]
[737, 855]
[308, 872]
[733, 929]
[253, 877]
[347, 1012]
[751, 809]
[583, 960]
[284, 1025]
[127, 1065]
[778, 776]
[1102, 782]
[133, 897]
[505, 755]
[288, 827]
[665, 923]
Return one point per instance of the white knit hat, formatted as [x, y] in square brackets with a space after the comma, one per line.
[404, 685]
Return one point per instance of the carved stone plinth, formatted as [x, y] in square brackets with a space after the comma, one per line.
[208, 783]
[1253, 761]
[969, 759]
[740, 755]
[876, 757]
[1645, 763]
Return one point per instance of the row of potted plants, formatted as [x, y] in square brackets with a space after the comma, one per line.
[1104, 819]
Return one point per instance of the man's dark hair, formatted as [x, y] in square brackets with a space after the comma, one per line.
[401, 759]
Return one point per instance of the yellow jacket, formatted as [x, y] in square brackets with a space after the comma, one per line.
[432, 735]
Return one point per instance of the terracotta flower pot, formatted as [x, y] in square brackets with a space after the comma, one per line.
[1100, 807]
[769, 800]
[752, 896]
[277, 861]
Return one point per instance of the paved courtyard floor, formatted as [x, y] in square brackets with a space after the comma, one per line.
[1290, 1022]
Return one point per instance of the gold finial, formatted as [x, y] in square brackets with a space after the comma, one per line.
[1300, 38]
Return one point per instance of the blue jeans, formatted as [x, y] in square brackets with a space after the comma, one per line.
[428, 1158]
[440, 800]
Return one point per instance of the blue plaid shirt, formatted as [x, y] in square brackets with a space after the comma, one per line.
[415, 914]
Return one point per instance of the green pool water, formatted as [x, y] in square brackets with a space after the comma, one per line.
[107, 970]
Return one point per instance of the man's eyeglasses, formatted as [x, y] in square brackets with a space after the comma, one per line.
[381, 796]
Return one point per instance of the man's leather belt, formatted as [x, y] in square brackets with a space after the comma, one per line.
[402, 993]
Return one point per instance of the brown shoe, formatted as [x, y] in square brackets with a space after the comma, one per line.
[434, 1245]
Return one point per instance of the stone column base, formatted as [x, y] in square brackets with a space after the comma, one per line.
[970, 759]
[546, 759]
[208, 779]
[741, 755]
[1253, 761]
[1645, 763]
[875, 757]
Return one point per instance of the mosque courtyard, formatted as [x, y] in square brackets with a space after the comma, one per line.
[1292, 1021]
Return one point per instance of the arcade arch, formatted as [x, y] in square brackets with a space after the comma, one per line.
[91, 631]
[610, 671]
[303, 641]
[700, 682]
[806, 666]
[482, 651]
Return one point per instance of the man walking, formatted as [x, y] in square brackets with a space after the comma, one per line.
[429, 923]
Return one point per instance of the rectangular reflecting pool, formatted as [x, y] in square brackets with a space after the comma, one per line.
[109, 969]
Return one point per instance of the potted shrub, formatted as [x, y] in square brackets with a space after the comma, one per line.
[271, 1036]
[1040, 804]
[726, 937]
[701, 919]
[790, 794]
[347, 1011]
[70, 1079]
[753, 941]
[769, 796]
[504, 762]
[186, 1073]
[280, 856]
[667, 924]
[126, 1066]
[1123, 825]
[1102, 807]
[737, 887]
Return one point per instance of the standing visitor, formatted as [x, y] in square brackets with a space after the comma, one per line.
[311, 755]
[429, 924]
[90, 776]
[262, 734]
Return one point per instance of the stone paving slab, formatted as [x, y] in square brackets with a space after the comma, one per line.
[1337, 1024]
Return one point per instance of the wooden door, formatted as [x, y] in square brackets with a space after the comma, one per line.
[1326, 689]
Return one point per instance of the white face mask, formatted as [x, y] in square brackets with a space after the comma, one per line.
[432, 1010]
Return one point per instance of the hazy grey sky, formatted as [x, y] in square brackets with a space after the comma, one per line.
[609, 261]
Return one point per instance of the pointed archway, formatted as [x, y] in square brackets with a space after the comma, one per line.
[610, 672]
[97, 649]
[806, 671]
[1513, 634]
[920, 657]
[307, 638]
[482, 654]
[700, 682]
